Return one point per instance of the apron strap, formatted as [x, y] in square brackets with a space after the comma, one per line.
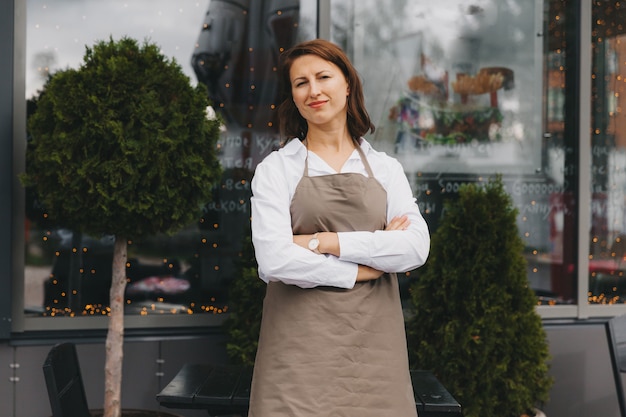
[366, 163]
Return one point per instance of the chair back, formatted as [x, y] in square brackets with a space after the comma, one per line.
[64, 382]
[616, 330]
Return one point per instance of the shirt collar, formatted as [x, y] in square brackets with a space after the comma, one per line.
[294, 146]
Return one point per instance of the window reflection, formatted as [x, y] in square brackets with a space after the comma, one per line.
[455, 89]
[412, 56]
[232, 47]
[607, 256]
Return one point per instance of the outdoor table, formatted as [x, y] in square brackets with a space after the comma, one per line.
[225, 389]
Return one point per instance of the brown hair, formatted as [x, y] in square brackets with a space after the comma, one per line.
[292, 124]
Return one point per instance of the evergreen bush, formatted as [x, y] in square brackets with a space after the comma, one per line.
[243, 324]
[475, 324]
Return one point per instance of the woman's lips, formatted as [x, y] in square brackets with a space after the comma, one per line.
[317, 104]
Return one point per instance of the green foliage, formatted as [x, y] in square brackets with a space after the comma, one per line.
[475, 323]
[244, 321]
[122, 145]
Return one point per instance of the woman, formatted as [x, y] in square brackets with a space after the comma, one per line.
[332, 221]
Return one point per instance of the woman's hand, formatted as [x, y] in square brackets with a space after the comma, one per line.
[398, 223]
[366, 273]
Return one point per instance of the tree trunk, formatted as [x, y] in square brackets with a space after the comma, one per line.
[115, 334]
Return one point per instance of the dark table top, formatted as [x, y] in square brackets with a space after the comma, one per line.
[225, 389]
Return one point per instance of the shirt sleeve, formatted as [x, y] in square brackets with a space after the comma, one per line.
[395, 250]
[278, 258]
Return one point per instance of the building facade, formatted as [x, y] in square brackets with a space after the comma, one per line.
[459, 91]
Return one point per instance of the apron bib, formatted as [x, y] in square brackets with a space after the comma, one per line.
[327, 351]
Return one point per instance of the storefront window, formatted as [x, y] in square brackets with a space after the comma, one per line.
[232, 47]
[461, 91]
[607, 255]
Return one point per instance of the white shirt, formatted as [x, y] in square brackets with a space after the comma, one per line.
[279, 259]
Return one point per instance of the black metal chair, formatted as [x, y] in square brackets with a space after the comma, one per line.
[616, 334]
[66, 392]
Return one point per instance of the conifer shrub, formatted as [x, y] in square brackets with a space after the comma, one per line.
[243, 324]
[475, 324]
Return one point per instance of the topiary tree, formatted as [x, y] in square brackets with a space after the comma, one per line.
[122, 146]
[475, 323]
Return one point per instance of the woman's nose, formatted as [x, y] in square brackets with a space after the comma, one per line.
[314, 89]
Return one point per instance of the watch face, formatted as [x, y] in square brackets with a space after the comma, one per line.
[314, 243]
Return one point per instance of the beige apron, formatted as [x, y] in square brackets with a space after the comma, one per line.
[328, 351]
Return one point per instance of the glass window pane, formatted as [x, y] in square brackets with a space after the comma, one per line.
[607, 256]
[460, 91]
[560, 121]
[232, 47]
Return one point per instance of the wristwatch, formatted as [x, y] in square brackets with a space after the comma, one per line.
[314, 243]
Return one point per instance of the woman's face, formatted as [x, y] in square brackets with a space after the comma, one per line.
[319, 90]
